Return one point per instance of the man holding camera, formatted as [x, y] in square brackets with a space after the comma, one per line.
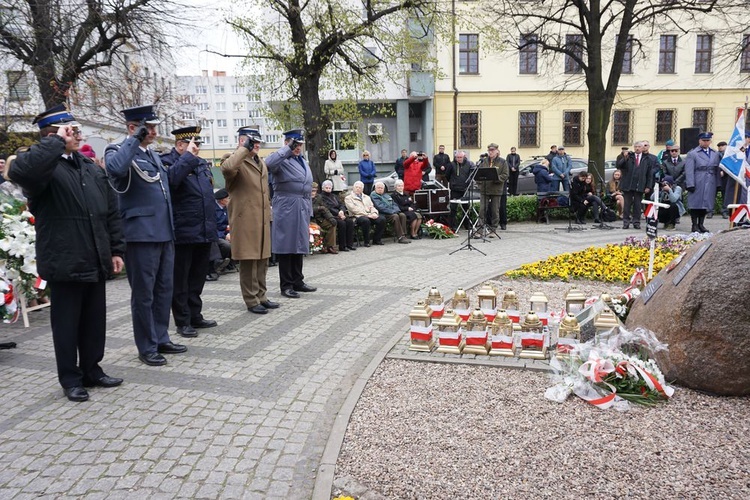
[671, 194]
[292, 209]
[141, 182]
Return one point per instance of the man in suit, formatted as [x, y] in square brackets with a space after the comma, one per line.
[249, 213]
[141, 182]
[637, 180]
[292, 209]
[78, 245]
[192, 188]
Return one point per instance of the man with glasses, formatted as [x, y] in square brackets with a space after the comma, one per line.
[674, 166]
[141, 182]
[78, 245]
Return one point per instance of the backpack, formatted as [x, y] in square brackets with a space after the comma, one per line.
[608, 215]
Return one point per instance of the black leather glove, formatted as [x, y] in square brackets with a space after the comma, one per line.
[141, 132]
[691, 189]
[335, 172]
[250, 144]
[293, 145]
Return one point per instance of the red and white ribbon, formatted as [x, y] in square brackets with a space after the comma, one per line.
[490, 314]
[740, 212]
[450, 338]
[421, 333]
[464, 313]
[502, 342]
[437, 310]
[476, 337]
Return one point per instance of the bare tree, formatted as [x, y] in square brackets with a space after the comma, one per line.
[301, 48]
[62, 40]
[595, 36]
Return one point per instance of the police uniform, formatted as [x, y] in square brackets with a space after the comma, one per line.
[77, 235]
[146, 210]
[292, 209]
[191, 187]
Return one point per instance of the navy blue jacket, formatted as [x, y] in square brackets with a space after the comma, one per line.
[543, 179]
[222, 221]
[193, 202]
[145, 207]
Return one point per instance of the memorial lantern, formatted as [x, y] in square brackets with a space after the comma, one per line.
[575, 301]
[569, 335]
[487, 297]
[605, 321]
[476, 335]
[531, 322]
[606, 298]
[461, 304]
[421, 329]
[450, 335]
[510, 300]
[435, 302]
[501, 335]
[538, 302]
[533, 346]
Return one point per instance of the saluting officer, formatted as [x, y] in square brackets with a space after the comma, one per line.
[292, 209]
[78, 244]
[191, 186]
[141, 182]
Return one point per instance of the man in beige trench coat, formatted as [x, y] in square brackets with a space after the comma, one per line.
[249, 213]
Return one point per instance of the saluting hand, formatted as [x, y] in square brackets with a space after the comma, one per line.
[193, 147]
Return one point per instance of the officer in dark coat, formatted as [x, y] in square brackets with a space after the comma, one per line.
[146, 210]
[191, 186]
[292, 209]
[78, 245]
[701, 179]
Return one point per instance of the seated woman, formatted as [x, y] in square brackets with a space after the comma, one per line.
[344, 224]
[582, 197]
[323, 217]
[543, 177]
[613, 190]
[361, 208]
[408, 208]
[386, 206]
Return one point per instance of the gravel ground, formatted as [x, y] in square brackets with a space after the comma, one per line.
[424, 430]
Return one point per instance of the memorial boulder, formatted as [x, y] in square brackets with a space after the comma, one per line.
[702, 311]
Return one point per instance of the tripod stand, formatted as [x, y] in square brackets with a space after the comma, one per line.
[473, 229]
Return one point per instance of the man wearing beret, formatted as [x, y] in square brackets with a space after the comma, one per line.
[78, 245]
[191, 186]
[141, 182]
[292, 209]
[701, 179]
[249, 211]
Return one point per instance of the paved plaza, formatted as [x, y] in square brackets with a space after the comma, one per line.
[257, 407]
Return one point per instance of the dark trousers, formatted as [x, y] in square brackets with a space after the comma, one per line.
[220, 249]
[290, 270]
[631, 212]
[345, 229]
[503, 207]
[669, 215]
[190, 270]
[456, 195]
[368, 188]
[78, 315]
[513, 183]
[365, 223]
[150, 268]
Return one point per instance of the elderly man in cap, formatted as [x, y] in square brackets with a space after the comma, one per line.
[701, 179]
[249, 212]
[191, 186]
[142, 184]
[221, 251]
[292, 209]
[493, 194]
[78, 245]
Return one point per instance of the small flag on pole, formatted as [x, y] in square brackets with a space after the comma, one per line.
[734, 161]
[648, 212]
[40, 284]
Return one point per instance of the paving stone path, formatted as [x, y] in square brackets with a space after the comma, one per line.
[248, 411]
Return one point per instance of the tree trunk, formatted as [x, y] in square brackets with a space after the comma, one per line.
[599, 108]
[316, 126]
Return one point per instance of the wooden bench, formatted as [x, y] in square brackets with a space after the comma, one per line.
[546, 202]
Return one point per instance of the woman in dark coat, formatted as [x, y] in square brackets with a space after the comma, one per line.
[344, 224]
[408, 208]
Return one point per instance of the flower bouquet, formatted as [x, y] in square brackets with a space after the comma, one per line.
[612, 370]
[8, 305]
[438, 231]
[17, 248]
[316, 238]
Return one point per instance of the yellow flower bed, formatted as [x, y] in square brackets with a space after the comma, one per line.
[610, 263]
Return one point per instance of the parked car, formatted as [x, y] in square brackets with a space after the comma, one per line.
[390, 181]
[526, 184]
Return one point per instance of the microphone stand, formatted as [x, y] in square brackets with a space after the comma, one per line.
[602, 224]
[472, 230]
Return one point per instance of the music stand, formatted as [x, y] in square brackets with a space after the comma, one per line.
[472, 230]
[486, 174]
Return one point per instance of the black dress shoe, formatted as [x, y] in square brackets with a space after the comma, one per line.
[502, 228]
[367, 245]
[378, 243]
[105, 381]
[351, 248]
[304, 287]
[187, 331]
[171, 348]
[290, 293]
[269, 304]
[76, 394]
[636, 225]
[153, 359]
[344, 249]
[257, 309]
[203, 323]
[212, 277]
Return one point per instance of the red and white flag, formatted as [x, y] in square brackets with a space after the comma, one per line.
[40, 284]
[648, 212]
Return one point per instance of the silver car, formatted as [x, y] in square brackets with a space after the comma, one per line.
[526, 184]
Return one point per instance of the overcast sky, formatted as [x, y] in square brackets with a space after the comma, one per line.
[210, 32]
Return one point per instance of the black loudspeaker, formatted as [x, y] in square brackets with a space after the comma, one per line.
[688, 139]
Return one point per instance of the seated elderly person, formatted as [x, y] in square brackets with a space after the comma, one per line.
[408, 208]
[323, 217]
[344, 224]
[671, 194]
[582, 197]
[361, 208]
[386, 206]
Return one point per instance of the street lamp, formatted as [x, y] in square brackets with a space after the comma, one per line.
[213, 143]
